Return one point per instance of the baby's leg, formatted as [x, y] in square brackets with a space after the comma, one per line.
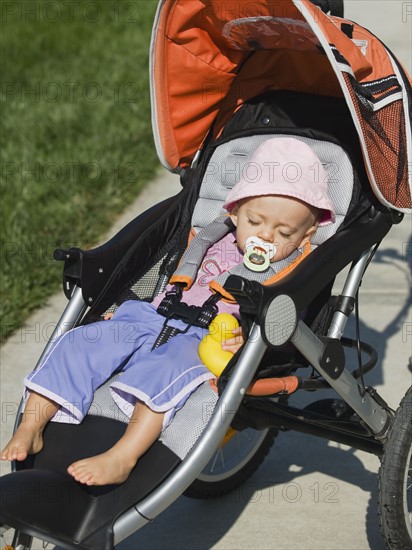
[115, 465]
[28, 438]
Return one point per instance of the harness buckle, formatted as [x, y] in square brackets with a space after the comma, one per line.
[172, 307]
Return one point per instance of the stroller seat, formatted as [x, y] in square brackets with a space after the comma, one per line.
[291, 324]
[98, 509]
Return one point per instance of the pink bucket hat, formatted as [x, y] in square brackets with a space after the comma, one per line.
[285, 166]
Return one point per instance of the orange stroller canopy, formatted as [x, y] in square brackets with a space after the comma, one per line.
[208, 57]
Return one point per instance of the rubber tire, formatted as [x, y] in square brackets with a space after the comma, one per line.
[209, 485]
[395, 475]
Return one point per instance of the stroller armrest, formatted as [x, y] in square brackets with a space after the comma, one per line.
[313, 274]
[93, 269]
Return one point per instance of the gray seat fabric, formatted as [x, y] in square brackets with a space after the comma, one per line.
[224, 170]
[187, 425]
[190, 421]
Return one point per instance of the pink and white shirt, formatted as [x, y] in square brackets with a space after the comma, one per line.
[219, 258]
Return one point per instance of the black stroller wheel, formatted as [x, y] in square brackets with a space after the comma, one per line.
[234, 462]
[395, 480]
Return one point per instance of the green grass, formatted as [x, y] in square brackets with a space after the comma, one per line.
[76, 139]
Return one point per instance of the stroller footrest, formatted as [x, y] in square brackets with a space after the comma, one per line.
[47, 503]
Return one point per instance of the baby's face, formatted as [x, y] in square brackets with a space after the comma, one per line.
[285, 222]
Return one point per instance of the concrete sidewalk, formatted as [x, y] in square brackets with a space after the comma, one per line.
[309, 493]
[22, 350]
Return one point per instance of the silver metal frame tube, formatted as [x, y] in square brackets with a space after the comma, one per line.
[71, 315]
[350, 289]
[346, 386]
[203, 450]
[311, 347]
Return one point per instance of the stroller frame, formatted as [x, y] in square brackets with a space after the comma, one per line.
[369, 410]
[274, 310]
[367, 434]
[325, 355]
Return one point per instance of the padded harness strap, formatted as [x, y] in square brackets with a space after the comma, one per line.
[172, 306]
[198, 246]
[208, 236]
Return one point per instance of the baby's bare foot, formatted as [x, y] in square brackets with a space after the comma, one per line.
[24, 442]
[107, 468]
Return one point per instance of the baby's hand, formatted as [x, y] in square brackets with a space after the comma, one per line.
[108, 316]
[234, 343]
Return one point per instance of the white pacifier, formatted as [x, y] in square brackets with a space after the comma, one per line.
[258, 254]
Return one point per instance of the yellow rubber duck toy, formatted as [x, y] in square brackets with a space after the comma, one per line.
[210, 348]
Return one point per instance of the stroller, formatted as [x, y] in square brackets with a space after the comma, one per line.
[260, 70]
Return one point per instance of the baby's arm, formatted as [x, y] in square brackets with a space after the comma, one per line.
[108, 316]
[234, 343]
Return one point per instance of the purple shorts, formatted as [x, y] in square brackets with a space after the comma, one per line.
[84, 358]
